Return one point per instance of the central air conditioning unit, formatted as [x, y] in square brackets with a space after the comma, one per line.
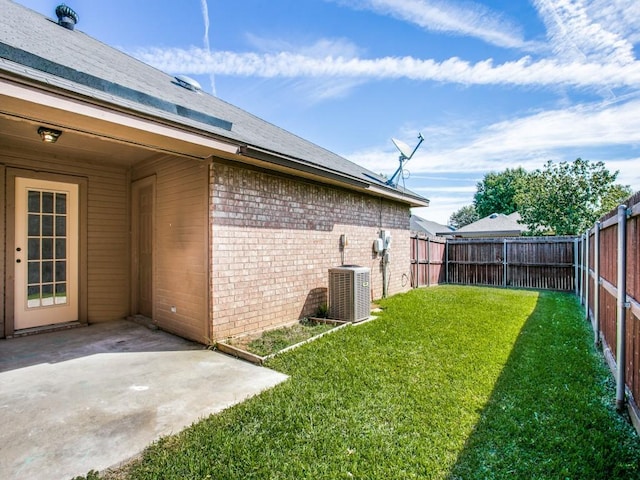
[349, 293]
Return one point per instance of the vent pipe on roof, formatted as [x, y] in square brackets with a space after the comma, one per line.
[66, 16]
[188, 83]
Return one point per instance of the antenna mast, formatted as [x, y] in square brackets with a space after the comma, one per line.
[405, 156]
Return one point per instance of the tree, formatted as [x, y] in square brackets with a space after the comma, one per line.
[464, 216]
[567, 198]
[496, 193]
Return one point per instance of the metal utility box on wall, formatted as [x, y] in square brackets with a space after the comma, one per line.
[349, 293]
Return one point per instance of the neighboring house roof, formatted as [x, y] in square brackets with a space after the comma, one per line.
[421, 225]
[494, 225]
[36, 49]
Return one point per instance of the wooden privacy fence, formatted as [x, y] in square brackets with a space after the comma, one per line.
[523, 262]
[611, 295]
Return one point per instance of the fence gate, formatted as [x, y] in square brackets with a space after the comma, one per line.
[427, 261]
[523, 262]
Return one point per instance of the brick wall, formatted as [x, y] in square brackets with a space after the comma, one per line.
[274, 239]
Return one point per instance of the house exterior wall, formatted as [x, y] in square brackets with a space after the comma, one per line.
[105, 245]
[274, 239]
[181, 254]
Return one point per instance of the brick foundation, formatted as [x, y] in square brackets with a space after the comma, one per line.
[274, 239]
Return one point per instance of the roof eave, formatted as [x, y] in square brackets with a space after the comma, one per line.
[298, 164]
[335, 177]
[412, 200]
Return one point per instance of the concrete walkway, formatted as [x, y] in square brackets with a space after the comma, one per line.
[92, 397]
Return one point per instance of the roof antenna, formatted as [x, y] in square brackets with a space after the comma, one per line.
[405, 155]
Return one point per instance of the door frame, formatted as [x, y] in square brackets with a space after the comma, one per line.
[136, 185]
[10, 183]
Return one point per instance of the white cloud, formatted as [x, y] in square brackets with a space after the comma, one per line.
[575, 36]
[318, 91]
[619, 16]
[464, 19]
[310, 90]
[523, 72]
[323, 47]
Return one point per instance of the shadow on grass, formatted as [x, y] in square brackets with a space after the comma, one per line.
[544, 418]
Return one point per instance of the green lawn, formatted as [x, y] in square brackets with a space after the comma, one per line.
[448, 383]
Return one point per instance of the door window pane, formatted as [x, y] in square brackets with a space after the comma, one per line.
[47, 295]
[47, 202]
[33, 249]
[34, 272]
[61, 225]
[34, 292]
[47, 248]
[47, 225]
[61, 271]
[34, 225]
[47, 272]
[61, 248]
[34, 201]
[61, 203]
[61, 293]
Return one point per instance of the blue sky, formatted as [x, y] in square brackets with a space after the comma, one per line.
[490, 84]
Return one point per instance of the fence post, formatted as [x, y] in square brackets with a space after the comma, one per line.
[446, 261]
[575, 265]
[504, 262]
[416, 249]
[428, 262]
[621, 311]
[581, 289]
[596, 282]
[586, 275]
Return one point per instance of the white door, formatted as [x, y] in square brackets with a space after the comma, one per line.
[46, 241]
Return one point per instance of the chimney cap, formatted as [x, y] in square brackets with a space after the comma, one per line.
[66, 16]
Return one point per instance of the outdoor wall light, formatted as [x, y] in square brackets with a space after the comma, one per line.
[49, 135]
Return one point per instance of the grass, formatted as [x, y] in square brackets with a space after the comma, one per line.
[275, 340]
[449, 383]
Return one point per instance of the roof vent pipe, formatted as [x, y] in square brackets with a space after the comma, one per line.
[66, 16]
[188, 83]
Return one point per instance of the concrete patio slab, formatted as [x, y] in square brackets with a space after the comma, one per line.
[92, 397]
